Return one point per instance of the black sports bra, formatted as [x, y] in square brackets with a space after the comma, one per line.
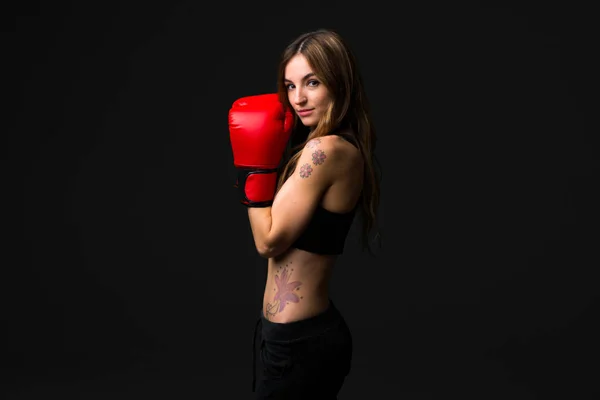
[327, 230]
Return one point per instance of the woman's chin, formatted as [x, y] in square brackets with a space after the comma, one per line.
[308, 124]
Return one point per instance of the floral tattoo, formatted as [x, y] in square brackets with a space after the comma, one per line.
[318, 157]
[284, 291]
[305, 170]
[313, 143]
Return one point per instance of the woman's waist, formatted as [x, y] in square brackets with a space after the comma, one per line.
[292, 307]
[310, 325]
[297, 287]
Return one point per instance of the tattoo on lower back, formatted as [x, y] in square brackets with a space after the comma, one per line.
[305, 170]
[284, 291]
[318, 157]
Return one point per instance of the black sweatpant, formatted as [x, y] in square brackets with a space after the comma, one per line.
[306, 359]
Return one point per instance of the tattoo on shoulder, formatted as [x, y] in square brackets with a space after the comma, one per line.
[313, 143]
[305, 170]
[318, 157]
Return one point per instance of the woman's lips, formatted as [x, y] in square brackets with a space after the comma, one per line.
[305, 113]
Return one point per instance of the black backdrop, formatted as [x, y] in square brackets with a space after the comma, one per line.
[131, 272]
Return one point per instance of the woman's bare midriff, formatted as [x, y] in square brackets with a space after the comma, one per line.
[297, 286]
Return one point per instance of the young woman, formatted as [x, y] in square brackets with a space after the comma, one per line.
[306, 346]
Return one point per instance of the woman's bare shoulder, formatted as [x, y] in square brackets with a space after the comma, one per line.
[334, 145]
[347, 148]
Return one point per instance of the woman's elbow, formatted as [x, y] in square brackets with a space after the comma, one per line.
[269, 251]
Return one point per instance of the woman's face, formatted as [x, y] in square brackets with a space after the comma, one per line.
[309, 97]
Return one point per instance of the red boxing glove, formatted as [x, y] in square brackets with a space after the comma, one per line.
[259, 129]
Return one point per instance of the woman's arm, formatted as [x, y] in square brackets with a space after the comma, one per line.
[275, 228]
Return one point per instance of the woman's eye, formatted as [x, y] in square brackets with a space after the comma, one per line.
[289, 86]
[313, 83]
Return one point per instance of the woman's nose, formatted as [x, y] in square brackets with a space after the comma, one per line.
[299, 97]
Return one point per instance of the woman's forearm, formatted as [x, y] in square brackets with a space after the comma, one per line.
[260, 223]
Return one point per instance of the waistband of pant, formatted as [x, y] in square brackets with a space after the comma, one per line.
[297, 330]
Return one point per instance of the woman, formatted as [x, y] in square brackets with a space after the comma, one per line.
[306, 346]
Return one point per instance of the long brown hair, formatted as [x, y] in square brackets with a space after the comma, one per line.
[335, 65]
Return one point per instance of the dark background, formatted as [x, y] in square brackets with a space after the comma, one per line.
[130, 272]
